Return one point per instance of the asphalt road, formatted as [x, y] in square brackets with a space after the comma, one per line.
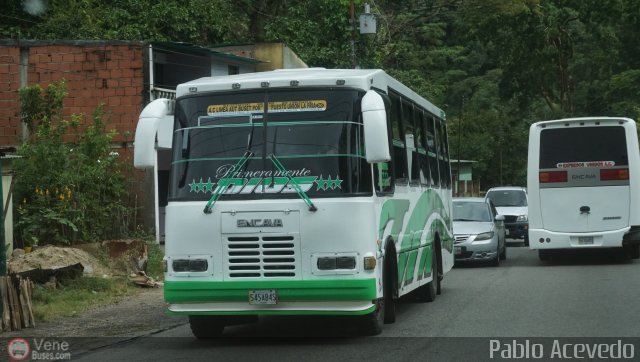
[582, 295]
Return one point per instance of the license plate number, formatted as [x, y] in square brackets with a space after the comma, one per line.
[585, 240]
[263, 296]
[457, 250]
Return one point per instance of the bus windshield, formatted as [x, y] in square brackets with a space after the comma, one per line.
[317, 135]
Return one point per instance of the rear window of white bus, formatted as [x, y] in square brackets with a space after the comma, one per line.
[606, 144]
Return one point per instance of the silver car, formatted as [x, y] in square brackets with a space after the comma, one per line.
[478, 230]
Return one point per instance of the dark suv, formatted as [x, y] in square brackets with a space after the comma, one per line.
[512, 202]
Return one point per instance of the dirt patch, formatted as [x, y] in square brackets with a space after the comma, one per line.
[51, 257]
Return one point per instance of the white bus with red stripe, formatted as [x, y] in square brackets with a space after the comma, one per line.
[583, 181]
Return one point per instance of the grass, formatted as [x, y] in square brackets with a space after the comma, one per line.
[84, 293]
[78, 295]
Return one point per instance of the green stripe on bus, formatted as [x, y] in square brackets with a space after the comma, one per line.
[427, 204]
[298, 290]
[260, 157]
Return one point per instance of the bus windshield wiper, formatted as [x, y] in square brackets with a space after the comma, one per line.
[300, 192]
[224, 182]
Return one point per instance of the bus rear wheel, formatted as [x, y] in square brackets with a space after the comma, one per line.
[207, 326]
[429, 291]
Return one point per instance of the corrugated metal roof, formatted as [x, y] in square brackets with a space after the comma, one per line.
[172, 46]
[199, 50]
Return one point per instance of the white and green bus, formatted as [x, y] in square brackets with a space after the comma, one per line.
[302, 192]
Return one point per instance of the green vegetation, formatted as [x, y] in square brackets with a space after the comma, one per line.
[78, 295]
[154, 263]
[494, 66]
[70, 187]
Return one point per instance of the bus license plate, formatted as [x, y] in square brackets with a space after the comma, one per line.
[263, 296]
[585, 240]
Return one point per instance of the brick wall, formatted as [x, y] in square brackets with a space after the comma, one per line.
[9, 101]
[96, 73]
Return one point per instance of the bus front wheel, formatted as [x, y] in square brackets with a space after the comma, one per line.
[544, 255]
[631, 251]
[371, 324]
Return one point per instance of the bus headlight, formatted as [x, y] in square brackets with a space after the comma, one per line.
[327, 263]
[186, 265]
[336, 263]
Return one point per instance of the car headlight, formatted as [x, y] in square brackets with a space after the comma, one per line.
[484, 236]
[522, 218]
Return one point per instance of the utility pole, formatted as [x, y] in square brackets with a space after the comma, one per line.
[367, 26]
[352, 21]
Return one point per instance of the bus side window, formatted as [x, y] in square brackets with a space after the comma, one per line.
[432, 152]
[410, 135]
[420, 165]
[399, 152]
[382, 179]
[440, 157]
[443, 147]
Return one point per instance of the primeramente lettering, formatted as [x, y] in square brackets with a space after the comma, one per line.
[252, 174]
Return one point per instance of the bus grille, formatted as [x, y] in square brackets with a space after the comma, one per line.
[261, 257]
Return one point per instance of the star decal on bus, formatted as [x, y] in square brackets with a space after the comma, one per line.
[328, 183]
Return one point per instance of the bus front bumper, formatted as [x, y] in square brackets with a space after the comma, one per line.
[312, 297]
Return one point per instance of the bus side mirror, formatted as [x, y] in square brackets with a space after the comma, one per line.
[155, 122]
[376, 138]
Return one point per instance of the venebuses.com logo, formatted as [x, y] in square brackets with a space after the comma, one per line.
[18, 349]
[40, 349]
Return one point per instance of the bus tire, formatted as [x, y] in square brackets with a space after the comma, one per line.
[371, 324]
[544, 255]
[631, 251]
[206, 326]
[429, 291]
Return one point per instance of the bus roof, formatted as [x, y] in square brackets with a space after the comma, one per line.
[364, 79]
[583, 119]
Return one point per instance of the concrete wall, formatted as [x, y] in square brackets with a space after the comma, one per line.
[276, 56]
[272, 55]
